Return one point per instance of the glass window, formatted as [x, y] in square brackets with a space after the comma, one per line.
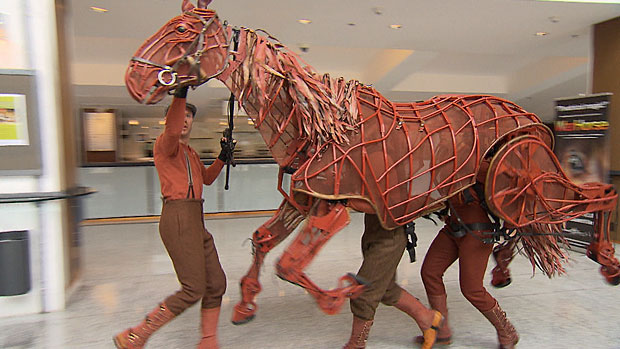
[137, 127]
[138, 135]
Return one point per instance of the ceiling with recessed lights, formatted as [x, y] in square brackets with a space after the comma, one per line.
[408, 49]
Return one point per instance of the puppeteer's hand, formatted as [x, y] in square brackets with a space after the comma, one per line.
[181, 92]
[227, 147]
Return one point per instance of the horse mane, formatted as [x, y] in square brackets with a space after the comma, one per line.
[327, 107]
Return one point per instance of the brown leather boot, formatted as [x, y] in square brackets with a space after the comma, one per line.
[135, 337]
[208, 323]
[444, 334]
[428, 320]
[359, 334]
[506, 333]
[503, 255]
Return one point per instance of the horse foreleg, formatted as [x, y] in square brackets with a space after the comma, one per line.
[601, 250]
[265, 238]
[325, 222]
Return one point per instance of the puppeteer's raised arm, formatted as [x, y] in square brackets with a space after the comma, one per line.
[169, 139]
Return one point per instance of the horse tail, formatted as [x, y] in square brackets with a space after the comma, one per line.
[544, 246]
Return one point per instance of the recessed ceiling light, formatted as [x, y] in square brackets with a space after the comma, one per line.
[98, 9]
[133, 122]
[541, 33]
[304, 21]
[396, 26]
[162, 122]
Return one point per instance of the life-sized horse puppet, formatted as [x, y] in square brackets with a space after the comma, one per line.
[348, 147]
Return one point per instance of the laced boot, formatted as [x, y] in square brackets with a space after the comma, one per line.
[506, 333]
[208, 322]
[503, 255]
[135, 337]
[428, 320]
[359, 333]
[444, 334]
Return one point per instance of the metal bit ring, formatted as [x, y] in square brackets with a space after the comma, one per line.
[173, 75]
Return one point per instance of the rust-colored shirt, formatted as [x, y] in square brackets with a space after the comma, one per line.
[170, 161]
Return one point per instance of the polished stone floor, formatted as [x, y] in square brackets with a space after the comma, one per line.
[126, 271]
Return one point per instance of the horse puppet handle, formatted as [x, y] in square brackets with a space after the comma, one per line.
[229, 143]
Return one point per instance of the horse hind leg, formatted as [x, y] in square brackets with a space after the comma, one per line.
[503, 255]
[527, 188]
[264, 239]
[599, 199]
[601, 249]
[324, 223]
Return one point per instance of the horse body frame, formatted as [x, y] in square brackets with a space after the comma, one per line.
[424, 152]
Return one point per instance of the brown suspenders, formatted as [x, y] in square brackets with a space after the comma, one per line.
[190, 180]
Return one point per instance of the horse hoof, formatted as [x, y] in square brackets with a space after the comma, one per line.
[243, 320]
[502, 284]
[243, 313]
[614, 281]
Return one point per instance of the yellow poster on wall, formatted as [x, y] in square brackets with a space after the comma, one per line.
[13, 120]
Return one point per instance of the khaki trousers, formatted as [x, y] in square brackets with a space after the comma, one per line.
[382, 251]
[193, 254]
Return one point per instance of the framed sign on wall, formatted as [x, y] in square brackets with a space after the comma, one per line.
[582, 131]
[100, 135]
[20, 148]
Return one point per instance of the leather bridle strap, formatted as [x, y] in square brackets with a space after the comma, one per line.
[200, 39]
[146, 61]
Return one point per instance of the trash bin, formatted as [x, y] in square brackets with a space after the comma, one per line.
[14, 263]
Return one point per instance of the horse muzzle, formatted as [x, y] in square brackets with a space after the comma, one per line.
[148, 85]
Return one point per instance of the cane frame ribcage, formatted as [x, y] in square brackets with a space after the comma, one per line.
[406, 159]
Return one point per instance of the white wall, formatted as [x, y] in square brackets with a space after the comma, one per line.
[45, 220]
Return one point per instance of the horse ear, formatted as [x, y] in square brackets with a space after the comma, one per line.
[203, 3]
[187, 6]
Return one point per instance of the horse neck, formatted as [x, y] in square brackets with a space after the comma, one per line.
[261, 93]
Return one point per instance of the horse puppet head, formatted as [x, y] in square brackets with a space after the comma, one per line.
[187, 51]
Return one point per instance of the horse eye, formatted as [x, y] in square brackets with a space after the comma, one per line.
[181, 29]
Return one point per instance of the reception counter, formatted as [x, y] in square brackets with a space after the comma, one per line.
[133, 189]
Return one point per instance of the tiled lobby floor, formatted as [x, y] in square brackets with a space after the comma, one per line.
[126, 271]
